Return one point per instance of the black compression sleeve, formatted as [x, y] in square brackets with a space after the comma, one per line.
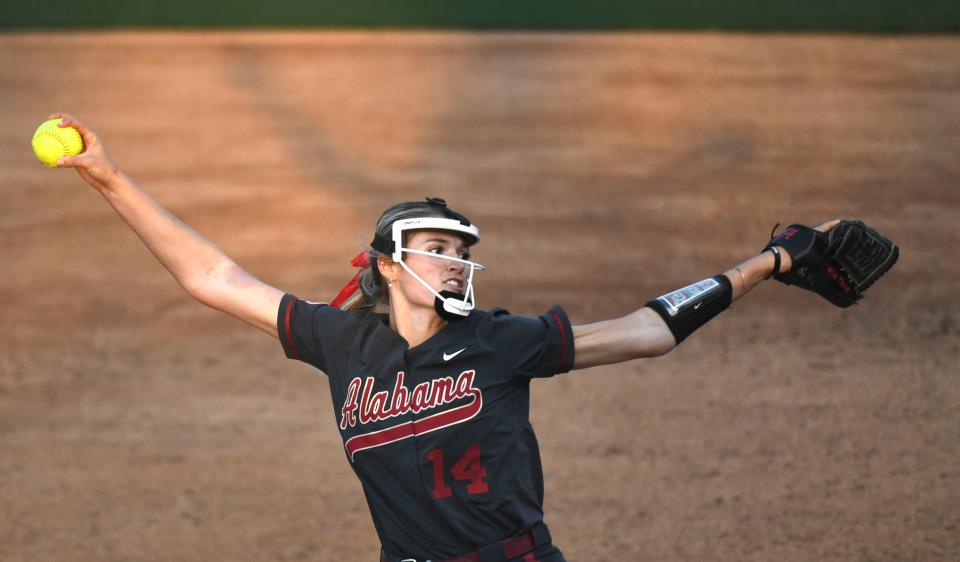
[686, 309]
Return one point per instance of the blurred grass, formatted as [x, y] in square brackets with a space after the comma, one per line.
[894, 16]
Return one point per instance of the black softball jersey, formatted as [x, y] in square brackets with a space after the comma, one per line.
[438, 434]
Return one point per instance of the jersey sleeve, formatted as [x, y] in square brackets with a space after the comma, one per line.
[309, 331]
[534, 346]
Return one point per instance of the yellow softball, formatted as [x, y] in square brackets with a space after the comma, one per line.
[50, 142]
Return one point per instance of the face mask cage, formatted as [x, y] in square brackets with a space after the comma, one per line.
[456, 305]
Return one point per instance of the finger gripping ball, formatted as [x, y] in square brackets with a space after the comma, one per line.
[50, 142]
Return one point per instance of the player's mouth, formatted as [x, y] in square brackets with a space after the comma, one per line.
[454, 284]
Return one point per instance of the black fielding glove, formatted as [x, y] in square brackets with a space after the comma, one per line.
[839, 265]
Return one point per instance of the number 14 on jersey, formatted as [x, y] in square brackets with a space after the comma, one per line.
[467, 468]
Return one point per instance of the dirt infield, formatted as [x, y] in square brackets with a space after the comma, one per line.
[603, 169]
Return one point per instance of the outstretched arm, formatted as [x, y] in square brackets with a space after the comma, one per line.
[199, 266]
[643, 333]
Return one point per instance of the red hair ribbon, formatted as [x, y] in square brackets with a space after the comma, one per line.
[362, 260]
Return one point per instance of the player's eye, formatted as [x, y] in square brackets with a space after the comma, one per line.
[465, 256]
[436, 250]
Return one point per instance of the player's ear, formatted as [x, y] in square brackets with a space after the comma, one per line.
[387, 267]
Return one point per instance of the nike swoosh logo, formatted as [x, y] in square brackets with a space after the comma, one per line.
[449, 356]
[696, 306]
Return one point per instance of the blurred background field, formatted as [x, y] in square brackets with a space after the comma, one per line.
[603, 168]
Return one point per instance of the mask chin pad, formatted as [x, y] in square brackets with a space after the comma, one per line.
[450, 312]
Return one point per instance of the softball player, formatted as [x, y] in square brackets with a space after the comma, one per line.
[430, 394]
